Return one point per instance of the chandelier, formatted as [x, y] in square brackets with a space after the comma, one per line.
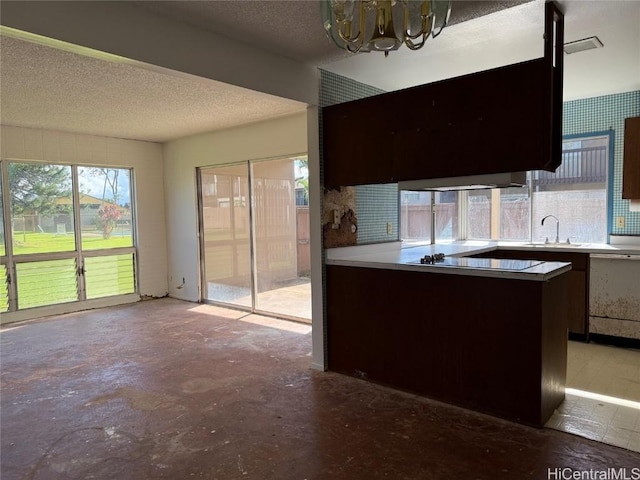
[384, 25]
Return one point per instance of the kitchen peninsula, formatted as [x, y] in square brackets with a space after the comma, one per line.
[484, 334]
[487, 334]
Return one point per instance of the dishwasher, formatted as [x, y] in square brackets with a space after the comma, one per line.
[614, 295]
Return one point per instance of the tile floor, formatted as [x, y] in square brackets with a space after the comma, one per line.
[603, 395]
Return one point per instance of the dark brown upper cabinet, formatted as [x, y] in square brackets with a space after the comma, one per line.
[631, 164]
[501, 120]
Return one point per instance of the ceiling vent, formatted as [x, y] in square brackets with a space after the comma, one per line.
[582, 45]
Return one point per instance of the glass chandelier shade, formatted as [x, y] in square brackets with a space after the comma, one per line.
[383, 25]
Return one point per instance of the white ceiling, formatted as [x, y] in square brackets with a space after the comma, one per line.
[46, 87]
[515, 35]
[290, 28]
[55, 87]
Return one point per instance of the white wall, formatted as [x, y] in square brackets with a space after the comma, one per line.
[281, 137]
[146, 160]
[319, 357]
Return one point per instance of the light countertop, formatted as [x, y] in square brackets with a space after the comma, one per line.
[406, 256]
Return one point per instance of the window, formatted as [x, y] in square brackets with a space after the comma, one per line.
[4, 285]
[4, 291]
[105, 207]
[514, 214]
[576, 193]
[501, 213]
[46, 282]
[2, 247]
[446, 207]
[416, 215]
[108, 275]
[40, 208]
[69, 235]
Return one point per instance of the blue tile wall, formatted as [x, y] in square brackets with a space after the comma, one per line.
[600, 114]
[376, 205]
[338, 89]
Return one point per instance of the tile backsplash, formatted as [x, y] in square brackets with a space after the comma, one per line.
[600, 114]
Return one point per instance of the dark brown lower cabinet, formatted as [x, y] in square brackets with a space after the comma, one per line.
[493, 345]
[578, 294]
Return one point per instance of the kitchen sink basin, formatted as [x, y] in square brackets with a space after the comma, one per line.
[553, 245]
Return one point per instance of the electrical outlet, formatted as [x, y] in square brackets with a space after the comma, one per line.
[336, 219]
[389, 228]
[620, 222]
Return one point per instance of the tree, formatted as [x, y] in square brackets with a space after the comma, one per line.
[35, 187]
[111, 176]
[109, 214]
[303, 166]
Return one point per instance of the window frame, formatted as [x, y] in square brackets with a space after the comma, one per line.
[11, 260]
[463, 207]
[610, 134]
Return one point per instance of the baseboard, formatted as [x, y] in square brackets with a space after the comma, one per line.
[579, 337]
[616, 341]
[319, 367]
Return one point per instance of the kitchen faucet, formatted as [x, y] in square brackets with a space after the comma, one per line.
[557, 227]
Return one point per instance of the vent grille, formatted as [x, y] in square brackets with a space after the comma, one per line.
[582, 45]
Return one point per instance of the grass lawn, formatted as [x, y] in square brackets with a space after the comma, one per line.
[31, 242]
[4, 299]
[55, 281]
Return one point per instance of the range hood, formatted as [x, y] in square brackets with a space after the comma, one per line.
[471, 182]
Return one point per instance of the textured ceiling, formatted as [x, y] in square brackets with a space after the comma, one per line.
[46, 87]
[290, 28]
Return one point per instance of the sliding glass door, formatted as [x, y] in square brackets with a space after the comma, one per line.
[254, 231]
[226, 251]
[281, 287]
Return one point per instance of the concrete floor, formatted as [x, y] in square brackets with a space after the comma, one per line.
[169, 389]
[291, 301]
